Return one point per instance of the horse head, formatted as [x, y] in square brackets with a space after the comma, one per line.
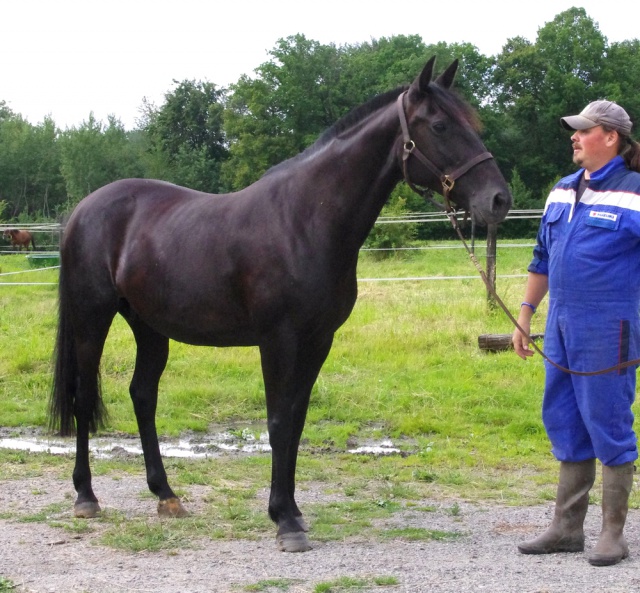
[442, 149]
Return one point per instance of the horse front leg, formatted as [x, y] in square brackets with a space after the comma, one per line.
[290, 369]
[310, 358]
[151, 359]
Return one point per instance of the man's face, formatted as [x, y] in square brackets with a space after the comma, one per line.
[594, 148]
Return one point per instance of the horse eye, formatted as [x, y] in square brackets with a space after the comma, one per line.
[439, 127]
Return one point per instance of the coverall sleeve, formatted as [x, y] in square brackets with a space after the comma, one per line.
[540, 262]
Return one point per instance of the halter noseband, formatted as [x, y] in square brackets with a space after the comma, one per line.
[447, 180]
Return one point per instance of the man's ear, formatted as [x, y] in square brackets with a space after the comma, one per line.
[612, 138]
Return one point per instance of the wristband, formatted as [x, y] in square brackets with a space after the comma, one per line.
[525, 304]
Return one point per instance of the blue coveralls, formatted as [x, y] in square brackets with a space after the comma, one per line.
[591, 254]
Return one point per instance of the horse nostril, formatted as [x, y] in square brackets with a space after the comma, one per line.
[501, 202]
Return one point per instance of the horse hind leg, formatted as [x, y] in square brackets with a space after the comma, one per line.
[86, 505]
[151, 359]
[76, 402]
[87, 399]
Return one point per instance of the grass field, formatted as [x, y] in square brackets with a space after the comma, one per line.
[406, 365]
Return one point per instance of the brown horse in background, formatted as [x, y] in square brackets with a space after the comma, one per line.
[19, 239]
[272, 266]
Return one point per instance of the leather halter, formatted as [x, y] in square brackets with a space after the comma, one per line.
[447, 180]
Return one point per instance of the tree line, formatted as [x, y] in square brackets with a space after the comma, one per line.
[222, 139]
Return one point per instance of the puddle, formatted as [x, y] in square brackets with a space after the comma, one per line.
[385, 447]
[201, 447]
[108, 448]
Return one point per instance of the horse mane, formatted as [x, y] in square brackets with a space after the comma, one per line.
[355, 116]
[450, 102]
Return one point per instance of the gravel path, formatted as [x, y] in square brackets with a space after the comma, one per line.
[41, 559]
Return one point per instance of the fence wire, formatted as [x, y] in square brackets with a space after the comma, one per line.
[415, 217]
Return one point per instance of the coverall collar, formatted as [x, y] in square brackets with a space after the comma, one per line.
[612, 166]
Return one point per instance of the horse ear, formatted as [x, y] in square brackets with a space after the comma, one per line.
[421, 83]
[446, 78]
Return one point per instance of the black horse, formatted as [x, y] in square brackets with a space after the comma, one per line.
[273, 266]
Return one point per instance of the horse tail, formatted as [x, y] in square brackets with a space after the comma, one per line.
[33, 242]
[62, 404]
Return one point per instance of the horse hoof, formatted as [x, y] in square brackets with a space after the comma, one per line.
[171, 507]
[86, 510]
[295, 541]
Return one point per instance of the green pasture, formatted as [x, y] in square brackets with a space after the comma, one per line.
[405, 366]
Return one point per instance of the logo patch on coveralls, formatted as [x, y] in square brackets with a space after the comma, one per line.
[607, 220]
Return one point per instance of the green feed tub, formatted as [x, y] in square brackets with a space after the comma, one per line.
[43, 260]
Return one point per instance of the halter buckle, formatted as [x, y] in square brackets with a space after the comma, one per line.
[409, 145]
[448, 183]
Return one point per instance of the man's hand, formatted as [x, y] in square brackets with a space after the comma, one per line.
[520, 341]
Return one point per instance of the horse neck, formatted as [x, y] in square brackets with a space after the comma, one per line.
[356, 172]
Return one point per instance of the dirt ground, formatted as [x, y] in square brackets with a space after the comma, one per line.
[37, 558]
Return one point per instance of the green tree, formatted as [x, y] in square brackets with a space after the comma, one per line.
[535, 84]
[373, 67]
[387, 236]
[283, 110]
[93, 155]
[306, 87]
[380, 65]
[30, 180]
[186, 143]
[619, 79]
[6, 113]
[523, 199]
[47, 184]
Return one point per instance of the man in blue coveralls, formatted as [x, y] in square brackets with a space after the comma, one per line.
[588, 258]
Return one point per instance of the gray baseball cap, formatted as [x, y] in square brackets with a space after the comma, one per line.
[599, 113]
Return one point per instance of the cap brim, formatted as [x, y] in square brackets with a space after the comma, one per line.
[577, 122]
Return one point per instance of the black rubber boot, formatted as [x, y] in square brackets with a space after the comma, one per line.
[617, 482]
[566, 534]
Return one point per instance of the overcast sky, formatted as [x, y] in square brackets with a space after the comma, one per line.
[67, 58]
